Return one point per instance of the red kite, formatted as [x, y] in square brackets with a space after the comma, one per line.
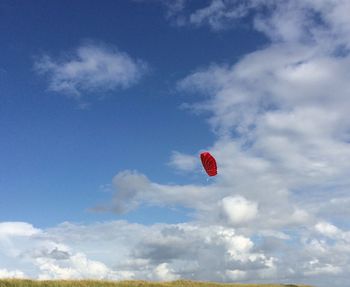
[209, 163]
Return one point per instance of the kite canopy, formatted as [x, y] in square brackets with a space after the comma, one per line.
[209, 163]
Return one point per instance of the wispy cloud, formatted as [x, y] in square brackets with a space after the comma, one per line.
[183, 162]
[217, 15]
[220, 14]
[91, 68]
[280, 20]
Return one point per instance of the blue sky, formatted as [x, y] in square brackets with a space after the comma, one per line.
[54, 151]
[105, 107]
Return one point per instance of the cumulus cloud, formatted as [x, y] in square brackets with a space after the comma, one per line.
[44, 256]
[238, 209]
[163, 273]
[20, 229]
[121, 250]
[91, 68]
[77, 266]
[327, 229]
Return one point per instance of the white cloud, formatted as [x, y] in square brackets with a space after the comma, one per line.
[236, 274]
[121, 250]
[163, 273]
[322, 22]
[221, 14]
[91, 68]
[10, 229]
[183, 162]
[133, 188]
[296, 122]
[214, 13]
[239, 210]
[76, 267]
[317, 269]
[4, 273]
[174, 6]
[327, 229]
[218, 14]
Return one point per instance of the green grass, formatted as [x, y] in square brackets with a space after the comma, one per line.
[101, 283]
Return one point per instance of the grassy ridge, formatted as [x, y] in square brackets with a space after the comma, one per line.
[101, 283]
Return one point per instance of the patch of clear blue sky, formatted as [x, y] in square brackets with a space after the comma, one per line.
[54, 156]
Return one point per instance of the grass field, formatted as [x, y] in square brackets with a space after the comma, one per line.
[100, 283]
